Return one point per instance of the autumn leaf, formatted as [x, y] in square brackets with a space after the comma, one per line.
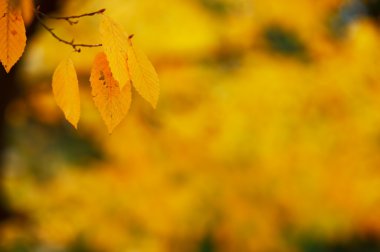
[115, 44]
[112, 102]
[12, 34]
[66, 91]
[143, 74]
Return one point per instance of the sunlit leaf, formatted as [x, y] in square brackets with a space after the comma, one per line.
[66, 91]
[143, 74]
[115, 44]
[12, 34]
[112, 102]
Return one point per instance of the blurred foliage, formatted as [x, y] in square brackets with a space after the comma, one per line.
[284, 42]
[266, 137]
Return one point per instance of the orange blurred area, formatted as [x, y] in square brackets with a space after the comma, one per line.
[266, 136]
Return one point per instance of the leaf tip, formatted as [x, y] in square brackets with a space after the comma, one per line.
[7, 68]
[73, 119]
[154, 104]
[110, 131]
[74, 124]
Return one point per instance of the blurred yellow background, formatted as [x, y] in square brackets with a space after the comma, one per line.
[266, 137]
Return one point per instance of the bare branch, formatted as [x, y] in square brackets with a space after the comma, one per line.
[72, 20]
[76, 46]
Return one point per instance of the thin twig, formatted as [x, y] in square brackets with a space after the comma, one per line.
[71, 19]
[75, 46]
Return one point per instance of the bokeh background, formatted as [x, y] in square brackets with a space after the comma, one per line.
[266, 137]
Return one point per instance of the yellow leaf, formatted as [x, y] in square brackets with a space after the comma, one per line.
[143, 74]
[112, 102]
[12, 35]
[27, 9]
[66, 91]
[115, 44]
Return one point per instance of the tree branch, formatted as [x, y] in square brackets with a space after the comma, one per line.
[71, 19]
[75, 46]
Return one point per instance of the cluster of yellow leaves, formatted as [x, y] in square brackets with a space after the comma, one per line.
[114, 71]
[121, 66]
[13, 17]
